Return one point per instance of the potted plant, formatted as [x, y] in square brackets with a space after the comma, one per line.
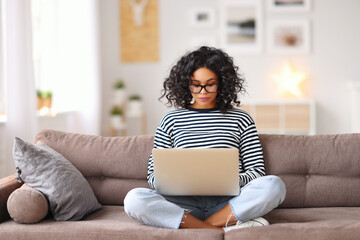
[119, 92]
[116, 117]
[47, 97]
[135, 106]
[44, 99]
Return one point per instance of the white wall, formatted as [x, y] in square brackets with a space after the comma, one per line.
[334, 59]
[3, 168]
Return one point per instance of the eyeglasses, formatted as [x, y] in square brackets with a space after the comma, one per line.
[210, 88]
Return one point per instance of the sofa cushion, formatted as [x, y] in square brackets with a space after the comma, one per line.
[112, 165]
[70, 195]
[109, 223]
[27, 205]
[319, 171]
[305, 223]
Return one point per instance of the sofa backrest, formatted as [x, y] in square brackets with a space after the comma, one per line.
[112, 165]
[319, 171]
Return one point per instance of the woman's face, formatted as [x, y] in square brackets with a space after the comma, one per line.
[204, 99]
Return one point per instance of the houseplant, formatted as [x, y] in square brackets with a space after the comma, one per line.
[135, 106]
[44, 99]
[116, 117]
[119, 92]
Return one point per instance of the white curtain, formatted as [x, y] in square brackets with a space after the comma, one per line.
[77, 79]
[18, 70]
[74, 70]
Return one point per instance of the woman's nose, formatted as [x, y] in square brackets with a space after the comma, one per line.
[203, 91]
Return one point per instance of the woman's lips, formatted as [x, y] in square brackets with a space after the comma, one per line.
[203, 99]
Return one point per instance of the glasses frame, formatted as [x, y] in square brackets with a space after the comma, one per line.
[204, 87]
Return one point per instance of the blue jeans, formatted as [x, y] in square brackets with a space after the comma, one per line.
[257, 198]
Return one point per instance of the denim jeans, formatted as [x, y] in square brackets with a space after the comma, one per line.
[256, 198]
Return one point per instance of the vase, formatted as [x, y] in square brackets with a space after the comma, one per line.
[117, 122]
[119, 96]
[135, 108]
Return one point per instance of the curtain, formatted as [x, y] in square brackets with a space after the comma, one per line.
[18, 70]
[77, 78]
[73, 69]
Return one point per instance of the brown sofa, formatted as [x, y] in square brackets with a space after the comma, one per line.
[321, 173]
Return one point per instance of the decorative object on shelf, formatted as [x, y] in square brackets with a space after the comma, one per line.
[135, 106]
[241, 26]
[202, 17]
[290, 81]
[119, 92]
[44, 101]
[139, 31]
[288, 36]
[117, 122]
[289, 5]
[135, 116]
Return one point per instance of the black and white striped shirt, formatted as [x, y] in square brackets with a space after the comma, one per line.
[209, 128]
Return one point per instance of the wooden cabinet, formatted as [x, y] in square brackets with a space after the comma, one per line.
[283, 116]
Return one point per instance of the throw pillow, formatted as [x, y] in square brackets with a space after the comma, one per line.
[27, 205]
[69, 194]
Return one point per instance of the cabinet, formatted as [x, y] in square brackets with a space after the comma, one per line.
[283, 116]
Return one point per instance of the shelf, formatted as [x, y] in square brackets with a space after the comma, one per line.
[283, 116]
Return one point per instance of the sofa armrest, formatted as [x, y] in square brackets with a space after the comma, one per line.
[7, 186]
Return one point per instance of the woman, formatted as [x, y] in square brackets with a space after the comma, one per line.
[203, 86]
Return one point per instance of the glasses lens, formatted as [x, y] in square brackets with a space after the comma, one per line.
[195, 88]
[210, 88]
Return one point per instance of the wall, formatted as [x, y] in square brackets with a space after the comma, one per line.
[334, 59]
[3, 168]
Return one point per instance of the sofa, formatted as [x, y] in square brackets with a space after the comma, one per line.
[321, 173]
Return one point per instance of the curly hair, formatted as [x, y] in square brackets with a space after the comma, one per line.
[176, 86]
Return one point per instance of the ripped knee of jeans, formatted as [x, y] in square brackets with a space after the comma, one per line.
[185, 211]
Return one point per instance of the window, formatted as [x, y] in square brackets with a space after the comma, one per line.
[43, 33]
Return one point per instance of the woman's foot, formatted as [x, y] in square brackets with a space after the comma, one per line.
[257, 222]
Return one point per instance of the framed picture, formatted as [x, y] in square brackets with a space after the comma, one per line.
[241, 26]
[202, 17]
[289, 5]
[288, 36]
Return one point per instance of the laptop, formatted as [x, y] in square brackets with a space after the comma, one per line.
[197, 172]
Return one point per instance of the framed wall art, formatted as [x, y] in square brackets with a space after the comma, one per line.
[289, 5]
[202, 17]
[241, 26]
[288, 36]
[139, 31]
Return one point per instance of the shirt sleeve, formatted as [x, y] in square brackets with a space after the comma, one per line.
[251, 156]
[162, 140]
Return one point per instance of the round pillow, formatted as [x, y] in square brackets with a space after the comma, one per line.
[27, 205]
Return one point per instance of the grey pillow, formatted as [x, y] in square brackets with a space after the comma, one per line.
[69, 194]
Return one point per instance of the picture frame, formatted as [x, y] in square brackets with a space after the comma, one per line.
[290, 36]
[202, 17]
[241, 26]
[289, 5]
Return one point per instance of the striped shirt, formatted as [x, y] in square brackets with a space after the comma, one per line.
[209, 128]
